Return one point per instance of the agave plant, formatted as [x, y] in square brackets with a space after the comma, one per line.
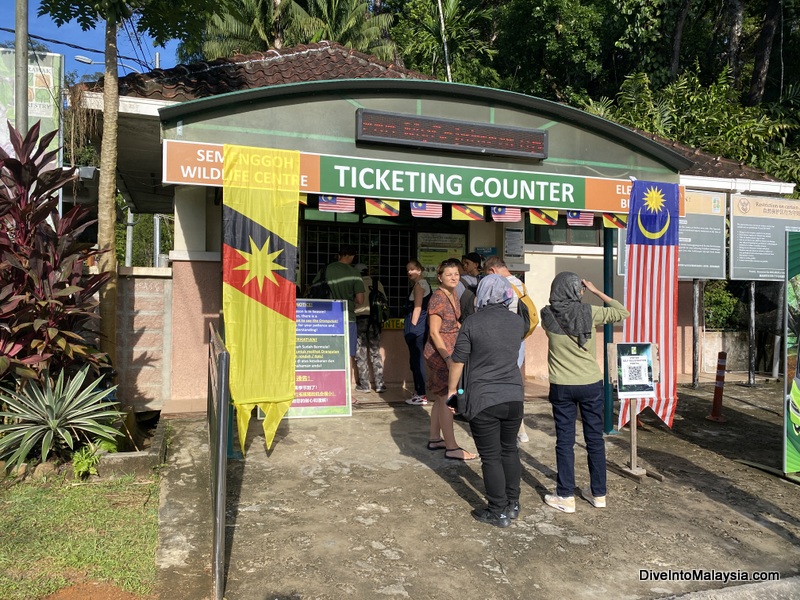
[55, 417]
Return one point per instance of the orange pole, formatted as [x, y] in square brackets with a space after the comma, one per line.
[716, 407]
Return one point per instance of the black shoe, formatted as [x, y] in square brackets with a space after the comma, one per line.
[484, 515]
[512, 510]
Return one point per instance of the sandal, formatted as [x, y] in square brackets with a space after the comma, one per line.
[433, 444]
[466, 456]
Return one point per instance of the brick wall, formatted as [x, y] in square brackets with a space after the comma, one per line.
[144, 337]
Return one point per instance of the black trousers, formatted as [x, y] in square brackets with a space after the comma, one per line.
[494, 431]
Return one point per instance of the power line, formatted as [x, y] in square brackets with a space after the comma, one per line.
[76, 47]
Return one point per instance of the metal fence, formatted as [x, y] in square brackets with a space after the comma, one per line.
[218, 433]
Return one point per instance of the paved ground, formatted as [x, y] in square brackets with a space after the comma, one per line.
[359, 508]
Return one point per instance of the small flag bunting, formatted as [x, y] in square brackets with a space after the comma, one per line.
[506, 214]
[382, 208]
[613, 220]
[340, 204]
[577, 218]
[542, 217]
[426, 210]
[304, 199]
[467, 212]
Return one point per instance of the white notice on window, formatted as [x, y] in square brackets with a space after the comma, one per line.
[514, 243]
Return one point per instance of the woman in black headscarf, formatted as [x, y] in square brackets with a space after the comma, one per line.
[490, 340]
[576, 382]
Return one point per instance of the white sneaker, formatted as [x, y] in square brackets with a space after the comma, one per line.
[566, 505]
[417, 400]
[597, 501]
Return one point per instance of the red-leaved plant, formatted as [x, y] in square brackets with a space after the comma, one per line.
[48, 316]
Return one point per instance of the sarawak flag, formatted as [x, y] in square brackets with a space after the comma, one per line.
[613, 220]
[426, 210]
[259, 256]
[506, 214]
[382, 208]
[542, 217]
[467, 212]
[651, 288]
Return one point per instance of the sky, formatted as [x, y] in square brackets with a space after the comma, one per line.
[90, 43]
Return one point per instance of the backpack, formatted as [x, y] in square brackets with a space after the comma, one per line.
[320, 288]
[378, 307]
[527, 310]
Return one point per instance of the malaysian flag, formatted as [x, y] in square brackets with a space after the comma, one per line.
[651, 288]
[341, 204]
[577, 218]
[467, 212]
[426, 210]
[506, 214]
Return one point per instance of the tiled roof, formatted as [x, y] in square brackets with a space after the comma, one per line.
[299, 64]
[329, 60]
[710, 165]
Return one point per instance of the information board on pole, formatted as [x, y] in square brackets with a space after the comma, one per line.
[758, 236]
[635, 375]
[322, 366]
[701, 241]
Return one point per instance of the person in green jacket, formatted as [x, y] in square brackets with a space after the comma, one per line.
[576, 382]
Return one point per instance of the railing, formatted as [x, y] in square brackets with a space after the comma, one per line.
[218, 434]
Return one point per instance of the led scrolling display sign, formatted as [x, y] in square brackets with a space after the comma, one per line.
[448, 134]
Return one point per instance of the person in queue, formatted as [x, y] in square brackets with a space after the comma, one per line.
[346, 284]
[471, 263]
[368, 346]
[444, 312]
[415, 329]
[576, 383]
[489, 343]
[496, 265]
[466, 297]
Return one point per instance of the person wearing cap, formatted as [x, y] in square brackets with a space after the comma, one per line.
[346, 284]
[471, 262]
[369, 338]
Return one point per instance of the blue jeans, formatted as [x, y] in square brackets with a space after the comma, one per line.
[416, 336]
[494, 431]
[566, 399]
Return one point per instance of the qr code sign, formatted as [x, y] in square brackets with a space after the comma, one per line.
[634, 370]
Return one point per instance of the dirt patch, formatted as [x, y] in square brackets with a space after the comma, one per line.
[92, 590]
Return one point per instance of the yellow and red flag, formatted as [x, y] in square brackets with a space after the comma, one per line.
[538, 216]
[467, 212]
[382, 208]
[614, 220]
[261, 190]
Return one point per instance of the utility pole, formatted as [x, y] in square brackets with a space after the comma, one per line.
[444, 43]
[21, 68]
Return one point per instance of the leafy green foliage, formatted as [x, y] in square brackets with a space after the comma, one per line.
[552, 49]
[84, 462]
[47, 305]
[418, 34]
[56, 417]
[712, 118]
[351, 23]
[720, 306]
